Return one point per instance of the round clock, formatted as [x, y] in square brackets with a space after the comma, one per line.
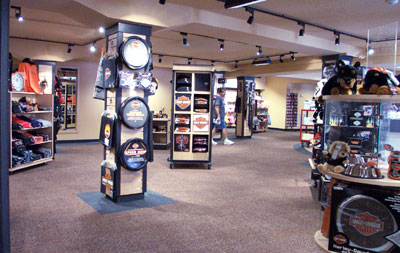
[17, 82]
[133, 154]
[135, 52]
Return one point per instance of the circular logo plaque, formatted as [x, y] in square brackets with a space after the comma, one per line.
[134, 112]
[133, 154]
[135, 52]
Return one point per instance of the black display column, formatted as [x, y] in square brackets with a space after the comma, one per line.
[5, 128]
[244, 106]
[120, 181]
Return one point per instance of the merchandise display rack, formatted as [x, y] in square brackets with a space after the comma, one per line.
[354, 114]
[161, 133]
[291, 110]
[191, 114]
[261, 112]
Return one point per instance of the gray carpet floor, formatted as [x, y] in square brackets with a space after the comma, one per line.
[256, 198]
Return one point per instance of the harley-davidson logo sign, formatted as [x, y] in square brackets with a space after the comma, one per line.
[340, 239]
[107, 131]
[136, 104]
[182, 139]
[183, 102]
[366, 223]
[200, 122]
[107, 73]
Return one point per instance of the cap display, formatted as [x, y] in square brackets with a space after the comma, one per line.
[134, 155]
[134, 112]
[135, 52]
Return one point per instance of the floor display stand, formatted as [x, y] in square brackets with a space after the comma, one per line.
[291, 110]
[161, 133]
[245, 106]
[126, 130]
[306, 126]
[361, 212]
[191, 114]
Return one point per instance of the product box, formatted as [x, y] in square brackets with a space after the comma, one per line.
[108, 169]
[201, 123]
[364, 218]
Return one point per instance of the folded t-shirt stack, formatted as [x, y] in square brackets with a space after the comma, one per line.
[25, 139]
[17, 160]
[45, 136]
[43, 152]
[34, 123]
[16, 107]
[16, 126]
[16, 142]
[45, 123]
[23, 123]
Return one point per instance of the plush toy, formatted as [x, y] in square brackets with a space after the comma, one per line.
[380, 81]
[343, 81]
[338, 156]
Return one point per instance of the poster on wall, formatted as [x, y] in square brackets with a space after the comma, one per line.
[182, 142]
[201, 123]
[183, 102]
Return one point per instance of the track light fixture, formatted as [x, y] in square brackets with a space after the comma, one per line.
[101, 29]
[18, 13]
[280, 58]
[292, 56]
[303, 29]
[160, 58]
[261, 62]
[93, 47]
[236, 64]
[259, 52]
[337, 39]
[212, 62]
[184, 39]
[190, 60]
[69, 48]
[240, 3]
[162, 1]
[251, 18]
[221, 44]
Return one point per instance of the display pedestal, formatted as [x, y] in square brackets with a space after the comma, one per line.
[321, 240]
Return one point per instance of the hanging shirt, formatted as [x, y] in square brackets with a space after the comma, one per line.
[32, 77]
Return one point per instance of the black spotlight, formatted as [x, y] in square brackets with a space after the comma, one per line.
[251, 18]
[280, 58]
[184, 39]
[303, 29]
[18, 13]
[236, 64]
[190, 61]
[162, 1]
[259, 52]
[221, 45]
[160, 58]
[69, 48]
[212, 63]
[292, 57]
[337, 40]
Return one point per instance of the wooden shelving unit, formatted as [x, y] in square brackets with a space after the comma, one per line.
[191, 114]
[45, 100]
[161, 133]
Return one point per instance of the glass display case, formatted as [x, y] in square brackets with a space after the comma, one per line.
[369, 124]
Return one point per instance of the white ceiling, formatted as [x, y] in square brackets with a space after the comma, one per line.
[76, 22]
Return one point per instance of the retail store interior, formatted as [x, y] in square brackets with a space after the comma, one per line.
[108, 110]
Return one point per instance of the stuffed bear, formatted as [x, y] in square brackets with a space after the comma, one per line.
[380, 81]
[338, 156]
[343, 81]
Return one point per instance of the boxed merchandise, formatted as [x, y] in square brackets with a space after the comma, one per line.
[364, 219]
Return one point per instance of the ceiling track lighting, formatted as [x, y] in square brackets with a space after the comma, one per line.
[236, 64]
[259, 52]
[184, 39]
[162, 1]
[229, 4]
[18, 13]
[303, 29]
[160, 58]
[261, 62]
[251, 18]
[221, 44]
[280, 58]
[190, 60]
[337, 39]
[212, 62]
[69, 48]
[101, 29]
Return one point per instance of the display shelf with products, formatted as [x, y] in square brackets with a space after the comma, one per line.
[161, 133]
[68, 77]
[261, 114]
[291, 110]
[191, 115]
[361, 202]
[32, 130]
[230, 102]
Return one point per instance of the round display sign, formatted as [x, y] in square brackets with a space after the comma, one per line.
[134, 154]
[17, 81]
[135, 52]
[134, 112]
[366, 222]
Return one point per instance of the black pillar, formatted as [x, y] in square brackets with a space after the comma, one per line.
[5, 128]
